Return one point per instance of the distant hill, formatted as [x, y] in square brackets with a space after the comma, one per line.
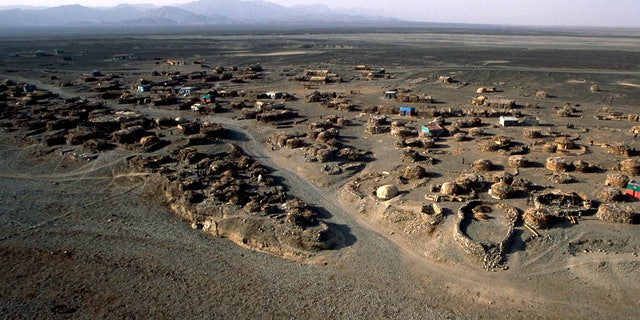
[197, 13]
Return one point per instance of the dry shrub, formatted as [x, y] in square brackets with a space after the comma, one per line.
[613, 212]
[537, 217]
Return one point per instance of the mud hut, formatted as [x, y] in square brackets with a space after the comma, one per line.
[537, 218]
[564, 143]
[469, 181]
[557, 164]
[540, 94]
[549, 148]
[608, 194]
[476, 132]
[387, 192]
[500, 190]
[488, 146]
[518, 161]
[414, 172]
[619, 150]
[613, 212]
[582, 166]
[531, 133]
[449, 189]
[482, 165]
[594, 88]
[630, 167]
[616, 180]
[502, 141]
[502, 176]
[460, 136]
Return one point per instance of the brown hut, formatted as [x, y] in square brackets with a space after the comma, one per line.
[608, 194]
[630, 167]
[500, 190]
[502, 176]
[594, 88]
[531, 133]
[549, 148]
[518, 161]
[537, 217]
[460, 136]
[619, 150]
[502, 141]
[617, 180]
[557, 164]
[542, 94]
[488, 146]
[564, 143]
[476, 132]
[581, 166]
[613, 212]
[414, 172]
[482, 165]
[469, 181]
[563, 113]
[449, 189]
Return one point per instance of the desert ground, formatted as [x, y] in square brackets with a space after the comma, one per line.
[301, 191]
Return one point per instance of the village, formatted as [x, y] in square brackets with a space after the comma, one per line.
[462, 165]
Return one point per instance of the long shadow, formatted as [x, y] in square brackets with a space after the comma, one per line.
[237, 135]
[343, 234]
[517, 243]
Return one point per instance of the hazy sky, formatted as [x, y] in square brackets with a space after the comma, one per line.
[623, 13]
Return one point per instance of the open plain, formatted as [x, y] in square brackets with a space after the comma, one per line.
[320, 173]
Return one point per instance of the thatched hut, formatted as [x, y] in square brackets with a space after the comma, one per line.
[488, 146]
[582, 166]
[387, 192]
[500, 190]
[594, 88]
[537, 217]
[608, 194]
[414, 172]
[557, 164]
[520, 183]
[563, 113]
[481, 165]
[540, 94]
[619, 150]
[502, 141]
[460, 136]
[613, 212]
[564, 143]
[630, 167]
[502, 176]
[518, 161]
[469, 181]
[616, 180]
[531, 133]
[635, 130]
[476, 132]
[449, 189]
[549, 148]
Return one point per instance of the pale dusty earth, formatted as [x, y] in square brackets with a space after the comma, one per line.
[94, 239]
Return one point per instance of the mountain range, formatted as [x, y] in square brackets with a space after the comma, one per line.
[197, 13]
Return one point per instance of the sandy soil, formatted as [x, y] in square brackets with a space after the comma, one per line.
[92, 238]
